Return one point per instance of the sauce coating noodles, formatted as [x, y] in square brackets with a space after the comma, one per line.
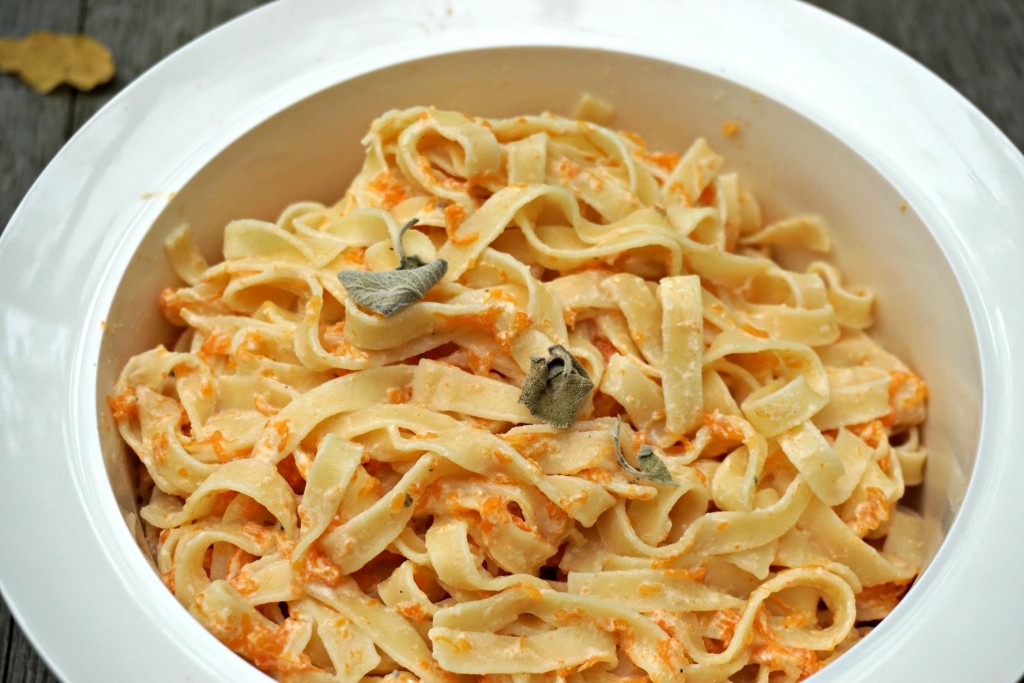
[343, 496]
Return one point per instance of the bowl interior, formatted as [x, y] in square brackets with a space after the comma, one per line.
[311, 150]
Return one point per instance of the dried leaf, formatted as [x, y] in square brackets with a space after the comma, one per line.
[389, 291]
[44, 60]
[649, 465]
[555, 387]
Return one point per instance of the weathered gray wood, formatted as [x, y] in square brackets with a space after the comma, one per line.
[6, 633]
[143, 33]
[23, 665]
[34, 127]
[978, 47]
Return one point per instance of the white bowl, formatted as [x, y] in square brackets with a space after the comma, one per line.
[923, 194]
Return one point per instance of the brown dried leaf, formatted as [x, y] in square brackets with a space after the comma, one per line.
[44, 60]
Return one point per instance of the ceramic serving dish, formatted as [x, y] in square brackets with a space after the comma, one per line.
[923, 194]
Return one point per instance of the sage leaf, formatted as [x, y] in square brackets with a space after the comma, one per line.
[389, 291]
[406, 262]
[555, 387]
[650, 466]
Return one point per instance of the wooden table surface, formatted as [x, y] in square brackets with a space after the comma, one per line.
[977, 47]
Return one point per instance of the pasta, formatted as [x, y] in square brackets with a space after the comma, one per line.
[341, 495]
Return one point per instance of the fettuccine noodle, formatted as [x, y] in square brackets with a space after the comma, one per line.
[343, 496]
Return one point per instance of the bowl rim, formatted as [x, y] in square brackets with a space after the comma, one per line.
[134, 621]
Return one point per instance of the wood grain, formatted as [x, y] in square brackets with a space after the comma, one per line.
[977, 47]
[141, 34]
[34, 127]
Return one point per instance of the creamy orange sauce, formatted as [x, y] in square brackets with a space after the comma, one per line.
[390, 190]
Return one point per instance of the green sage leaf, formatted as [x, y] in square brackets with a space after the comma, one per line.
[555, 387]
[406, 262]
[650, 466]
[389, 291]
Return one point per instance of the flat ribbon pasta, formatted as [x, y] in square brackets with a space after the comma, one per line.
[343, 496]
